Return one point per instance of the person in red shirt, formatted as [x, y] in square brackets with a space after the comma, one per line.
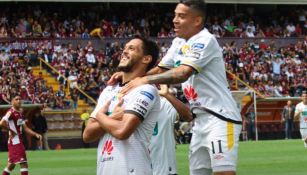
[14, 121]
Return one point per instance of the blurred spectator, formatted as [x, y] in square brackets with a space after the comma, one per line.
[287, 118]
[97, 32]
[39, 124]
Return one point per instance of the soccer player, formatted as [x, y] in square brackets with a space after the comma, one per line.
[124, 142]
[301, 113]
[162, 144]
[195, 59]
[14, 121]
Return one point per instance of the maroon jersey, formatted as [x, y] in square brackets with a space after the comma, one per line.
[16, 149]
[15, 122]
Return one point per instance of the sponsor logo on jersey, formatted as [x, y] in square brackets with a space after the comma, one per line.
[193, 54]
[198, 46]
[147, 94]
[190, 93]
[218, 157]
[108, 147]
[20, 122]
[143, 102]
[140, 109]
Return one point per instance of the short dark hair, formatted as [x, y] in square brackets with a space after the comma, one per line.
[198, 5]
[14, 95]
[149, 48]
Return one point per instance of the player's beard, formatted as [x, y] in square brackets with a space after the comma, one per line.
[128, 67]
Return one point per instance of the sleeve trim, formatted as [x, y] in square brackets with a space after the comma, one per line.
[164, 66]
[194, 66]
[135, 113]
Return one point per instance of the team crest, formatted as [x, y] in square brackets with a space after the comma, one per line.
[184, 49]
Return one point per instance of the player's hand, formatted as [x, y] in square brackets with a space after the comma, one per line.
[117, 76]
[118, 108]
[163, 90]
[134, 83]
[104, 108]
[38, 136]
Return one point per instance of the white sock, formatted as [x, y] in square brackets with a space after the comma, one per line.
[7, 170]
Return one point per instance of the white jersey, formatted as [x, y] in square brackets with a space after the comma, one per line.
[208, 86]
[303, 116]
[162, 144]
[130, 156]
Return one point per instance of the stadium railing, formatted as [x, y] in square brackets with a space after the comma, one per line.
[42, 61]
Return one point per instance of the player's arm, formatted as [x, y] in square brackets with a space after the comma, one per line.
[156, 70]
[144, 99]
[3, 124]
[120, 125]
[120, 129]
[4, 121]
[173, 76]
[182, 109]
[93, 131]
[31, 132]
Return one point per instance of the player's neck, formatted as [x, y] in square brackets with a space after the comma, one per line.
[128, 76]
[16, 109]
[195, 32]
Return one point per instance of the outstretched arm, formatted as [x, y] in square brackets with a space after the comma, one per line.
[172, 76]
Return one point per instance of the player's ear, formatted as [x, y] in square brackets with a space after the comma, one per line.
[147, 59]
[198, 21]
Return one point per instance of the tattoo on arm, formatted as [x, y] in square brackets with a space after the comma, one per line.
[172, 76]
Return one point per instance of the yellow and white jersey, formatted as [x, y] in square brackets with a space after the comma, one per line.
[208, 86]
[130, 156]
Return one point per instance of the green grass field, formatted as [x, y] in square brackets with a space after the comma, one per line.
[281, 157]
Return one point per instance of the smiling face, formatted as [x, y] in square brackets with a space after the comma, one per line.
[131, 56]
[187, 22]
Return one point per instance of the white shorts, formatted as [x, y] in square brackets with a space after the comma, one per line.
[214, 144]
[304, 135]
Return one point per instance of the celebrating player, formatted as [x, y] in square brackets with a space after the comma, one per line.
[123, 148]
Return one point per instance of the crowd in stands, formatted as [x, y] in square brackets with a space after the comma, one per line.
[92, 20]
[17, 78]
[270, 70]
[274, 72]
